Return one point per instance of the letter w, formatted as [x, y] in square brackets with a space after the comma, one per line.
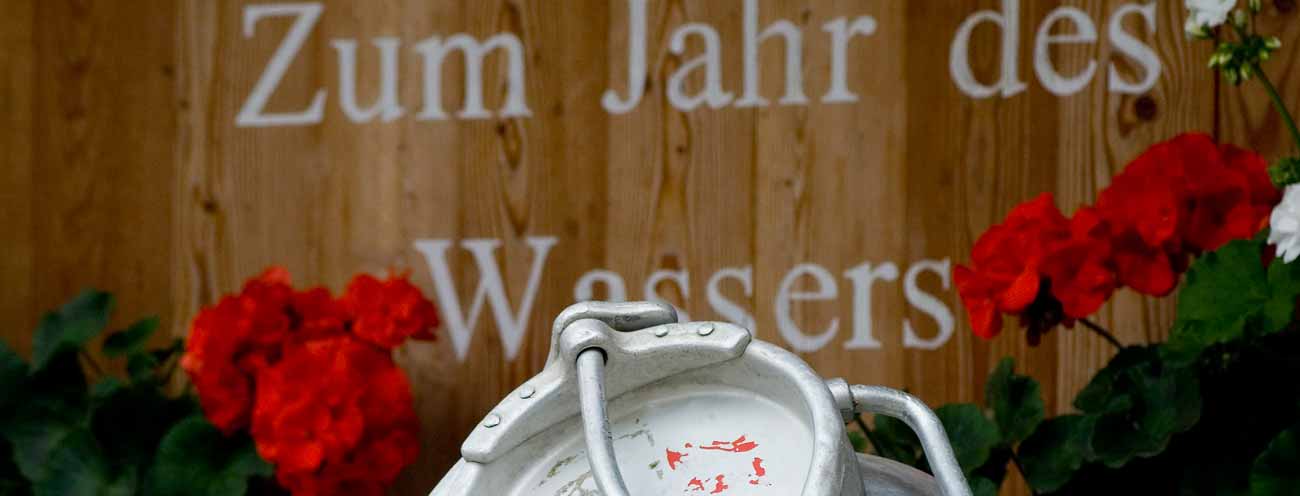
[490, 288]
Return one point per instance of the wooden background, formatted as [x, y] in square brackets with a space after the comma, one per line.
[122, 169]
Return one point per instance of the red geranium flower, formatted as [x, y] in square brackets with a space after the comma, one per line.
[1038, 265]
[314, 377]
[335, 416]
[388, 312]
[229, 343]
[1179, 198]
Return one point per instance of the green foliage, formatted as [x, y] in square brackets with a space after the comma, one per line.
[1275, 471]
[973, 435]
[69, 328]
[195, 459]
[131, 340]
[980, 486]
[1285, 171]
[858, 440]
[1052, 454]
[61, 435]
[1016, 401]
[896, 441]
[1138, 404]
[1230, 295]
[1214, 410]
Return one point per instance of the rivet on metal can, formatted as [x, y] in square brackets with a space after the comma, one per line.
[492, 420]
[661, 331]
[527, 391]
[706, 330]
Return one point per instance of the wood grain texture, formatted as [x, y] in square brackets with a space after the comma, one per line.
[1246, 116]
[122, 168]
[102, 136]
[17, 195]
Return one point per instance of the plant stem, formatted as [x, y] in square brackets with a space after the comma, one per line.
[1272, 90]
[1277, 103]
[871, 438]
[94, 367]
[1101, 331]
[1015, 460]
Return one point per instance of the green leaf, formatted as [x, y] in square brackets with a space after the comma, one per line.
[1228, 295]
[196, 459]
[141, 367]
[132, 339]
[896, 441]
[972, 434]
[1277, 470]
[77, 467]
[1284, 288]
[1053, 453]
[13, 377]
[12, 482]
[69, 328]
[38, 429]
[1139, 403]
[130, 421]
[980, 486]
[858, 441]
[1016, 401]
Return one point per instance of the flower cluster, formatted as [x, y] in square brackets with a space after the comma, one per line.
[312, 378]
[1180, 198]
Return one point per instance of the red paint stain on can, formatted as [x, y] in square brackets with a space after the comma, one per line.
[674, 458]
[695, 484]
[720, 487]
[740, 445]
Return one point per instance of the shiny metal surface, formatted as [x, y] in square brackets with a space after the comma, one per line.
[925, 423]
[631, 399]
[595, 424]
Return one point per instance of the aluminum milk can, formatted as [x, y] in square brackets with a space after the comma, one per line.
[633, 403]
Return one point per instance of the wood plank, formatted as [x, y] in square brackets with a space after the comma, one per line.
[17, 196]
[103, 134]
[1246, 116]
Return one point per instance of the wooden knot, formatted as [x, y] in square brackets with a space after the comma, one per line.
[1145, 107]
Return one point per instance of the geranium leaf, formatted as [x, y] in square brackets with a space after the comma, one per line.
[1139, 403]
[1228, 295]
[140, 366]
[980, 486]
[1284, 287]
[972, 434]
[70, 327]
[1277, 470]
[1054, 452]
[12, 482]
[37, 430]
[196, 459]
[896, 441]
[76, 467]
[130, 340]
[858, 441]
[130, 420]
[13, 377]
[1016, 401]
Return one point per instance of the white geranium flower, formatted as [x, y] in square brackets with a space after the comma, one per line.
[1284, 225]
[1204, 14]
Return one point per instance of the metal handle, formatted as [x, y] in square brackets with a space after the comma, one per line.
[595, 423]
[922, 420]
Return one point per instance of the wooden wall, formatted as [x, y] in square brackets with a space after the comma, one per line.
[122, 168]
